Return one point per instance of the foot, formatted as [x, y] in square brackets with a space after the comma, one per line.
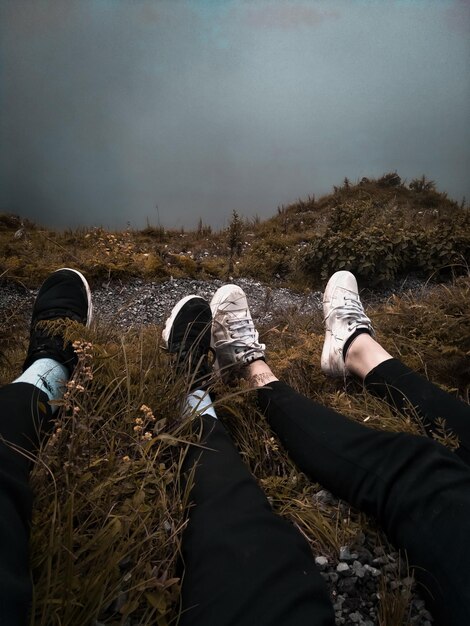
[65, 294]
[234, 337]
[187, 334]
[344, 319]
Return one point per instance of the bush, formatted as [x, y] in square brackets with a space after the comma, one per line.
[389, 180]
[381, 255]
[422, 184]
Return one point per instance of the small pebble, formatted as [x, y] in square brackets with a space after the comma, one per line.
[321, 561]
[342, 567]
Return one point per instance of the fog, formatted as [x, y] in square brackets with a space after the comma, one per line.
[112, 108]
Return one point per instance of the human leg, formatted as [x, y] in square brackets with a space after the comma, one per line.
[406, 391]
[418, 490]
[243, 564]
[347, 351]
[23, 410]
[25, 413]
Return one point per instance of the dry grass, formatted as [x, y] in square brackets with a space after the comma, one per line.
[110, 509]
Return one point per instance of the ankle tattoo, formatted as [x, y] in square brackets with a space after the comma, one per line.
[259, 380]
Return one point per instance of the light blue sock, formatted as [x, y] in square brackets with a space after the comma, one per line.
[47, 375]
[199, 402]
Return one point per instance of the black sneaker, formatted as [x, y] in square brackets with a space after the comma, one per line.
[187, 334]
[65, 294]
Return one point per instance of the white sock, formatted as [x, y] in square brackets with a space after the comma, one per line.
[47, 375]
[199, 402]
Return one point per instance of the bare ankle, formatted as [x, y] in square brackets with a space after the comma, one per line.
[364, 354]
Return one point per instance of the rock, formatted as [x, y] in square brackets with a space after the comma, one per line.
[418, 604]
[339, 602]
[321, 562]
[390, 568]
[364, 555]
[330, 577]
[324, 497]
[372, 570]
[348, 585]
[346, 555]
[341, 568]
[358, 569]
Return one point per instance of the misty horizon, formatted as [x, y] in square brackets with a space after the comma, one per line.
[111, 108]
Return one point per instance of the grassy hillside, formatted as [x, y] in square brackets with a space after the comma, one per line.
[110, 510]
[379, 229]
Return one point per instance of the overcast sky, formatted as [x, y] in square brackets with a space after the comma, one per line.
[109, 107]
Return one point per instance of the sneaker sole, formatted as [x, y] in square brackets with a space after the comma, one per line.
[169, 322]
[88, 293]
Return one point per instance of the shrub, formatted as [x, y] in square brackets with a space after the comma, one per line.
[389, 180]
[422, 184]
[10, 222]
[383, 254]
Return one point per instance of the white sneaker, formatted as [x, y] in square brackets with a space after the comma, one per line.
[344, 314]
[234, 337]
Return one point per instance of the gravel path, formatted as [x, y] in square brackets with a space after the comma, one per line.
[139, 302]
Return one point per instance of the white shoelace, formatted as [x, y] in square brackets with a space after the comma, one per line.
[241, 328]
[353, 312]
[244, 335]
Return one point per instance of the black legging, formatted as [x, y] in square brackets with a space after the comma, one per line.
[404, 389]
[24, 411]
[245, 565]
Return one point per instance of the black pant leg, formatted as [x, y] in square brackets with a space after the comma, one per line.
[23, 408]
[244, 565]
[401, 387]
[417, 489]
